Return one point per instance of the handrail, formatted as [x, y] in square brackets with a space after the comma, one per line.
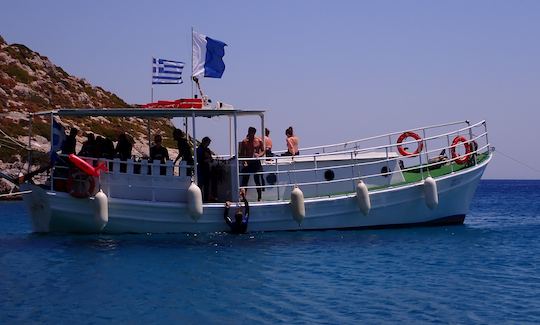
[340, 180]
[368, 149]
[387, 173]
[307, 169]
[380, 136]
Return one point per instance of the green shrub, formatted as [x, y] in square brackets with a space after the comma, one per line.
[18, 74]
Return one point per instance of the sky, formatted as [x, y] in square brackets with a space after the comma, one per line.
[335, 70]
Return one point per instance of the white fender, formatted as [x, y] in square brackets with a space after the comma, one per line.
[362, 198]
[194, 201]
[101, 209]
[297, 205]
[430, 193]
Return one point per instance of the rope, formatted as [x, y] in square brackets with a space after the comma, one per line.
[14, 194]
[12, 140]
[519, 162]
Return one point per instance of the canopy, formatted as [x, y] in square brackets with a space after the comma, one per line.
[148, 113]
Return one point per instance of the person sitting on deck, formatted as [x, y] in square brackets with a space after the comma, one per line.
[159, 153]
[268, 143]
[241, 218]
[292, 143]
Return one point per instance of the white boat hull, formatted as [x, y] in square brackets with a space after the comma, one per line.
[390, 207]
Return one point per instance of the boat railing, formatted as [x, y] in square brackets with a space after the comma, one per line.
[357, 144]
[438, 151]
[126, 176]
[321, 173]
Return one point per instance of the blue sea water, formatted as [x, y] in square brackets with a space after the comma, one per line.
[484, 272]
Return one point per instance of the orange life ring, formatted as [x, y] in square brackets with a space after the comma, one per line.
[79, 184]
[410, 134]
[457, 158]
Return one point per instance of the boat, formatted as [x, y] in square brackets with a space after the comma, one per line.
[423, 176]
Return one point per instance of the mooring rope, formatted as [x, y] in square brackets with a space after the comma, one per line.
[12, 140]
[518, 161]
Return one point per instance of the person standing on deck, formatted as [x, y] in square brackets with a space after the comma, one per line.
[123, 150]
[204, 160]
[159, 153]
[69, 144]
[184, 150]
[252, 147]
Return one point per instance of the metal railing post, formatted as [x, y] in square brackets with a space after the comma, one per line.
[425, 146]
[352, 173]
[315, 164]
[277, 174]
[421, 167]
[471, 141]
[387, 161]
[52, 139]
[450, 154]
[486, 132]
[237, 161]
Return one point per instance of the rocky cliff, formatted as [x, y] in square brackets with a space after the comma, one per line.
[30, 82]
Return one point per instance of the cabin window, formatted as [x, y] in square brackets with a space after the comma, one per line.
[385, 171]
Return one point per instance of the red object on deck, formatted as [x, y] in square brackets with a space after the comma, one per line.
[179, 103]
[86, 167]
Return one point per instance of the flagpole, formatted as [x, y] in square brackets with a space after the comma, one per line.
[191, 74]
[149, 132]
[190, 81]
[152, 83]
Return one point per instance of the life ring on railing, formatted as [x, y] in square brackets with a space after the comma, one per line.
[455, 156]
[410, 134]
[80, 184]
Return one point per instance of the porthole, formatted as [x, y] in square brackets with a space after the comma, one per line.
[271, 179]
[329, 175]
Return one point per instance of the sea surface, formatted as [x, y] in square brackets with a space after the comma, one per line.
[484, 272]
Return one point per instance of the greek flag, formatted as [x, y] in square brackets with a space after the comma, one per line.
[166, 71]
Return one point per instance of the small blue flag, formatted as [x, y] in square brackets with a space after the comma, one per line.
[58, 138]
[166, 71]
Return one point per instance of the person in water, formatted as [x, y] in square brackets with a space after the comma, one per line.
[241, 218]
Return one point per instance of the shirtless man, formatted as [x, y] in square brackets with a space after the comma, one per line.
[252, 147]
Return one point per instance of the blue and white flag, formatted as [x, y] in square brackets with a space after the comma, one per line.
[58, 138]
[208, 56]
[166, 71]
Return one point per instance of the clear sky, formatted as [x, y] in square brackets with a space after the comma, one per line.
[336, 70]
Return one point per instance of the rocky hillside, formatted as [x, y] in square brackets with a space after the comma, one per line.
[30, 82]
